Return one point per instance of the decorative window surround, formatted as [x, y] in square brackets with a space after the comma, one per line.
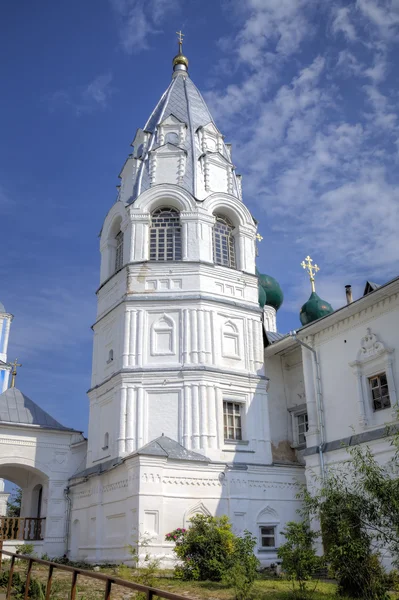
[268, 524]
[373, 358]
[172, 125]
[296, 413]
[232, 421]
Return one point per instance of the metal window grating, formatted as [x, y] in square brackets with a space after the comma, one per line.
[119, 251]
[165, 235]
[232, 421]
[223, 243]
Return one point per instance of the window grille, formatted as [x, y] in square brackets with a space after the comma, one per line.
[165, 235]
[119, 251]
[379, 391]
[223, 243]
[232, 421]
[267, 537]
[302, 424]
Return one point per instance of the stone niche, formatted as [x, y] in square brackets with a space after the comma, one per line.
[167, 164]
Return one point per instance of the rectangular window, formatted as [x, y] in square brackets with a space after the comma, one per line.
[379, 392]
[302, 425]
[267, 537]
[232, 421]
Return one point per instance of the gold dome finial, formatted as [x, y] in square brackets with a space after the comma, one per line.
[180, 62]
[311, 270]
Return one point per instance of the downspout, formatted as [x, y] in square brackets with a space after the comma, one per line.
[319, 403]
[68, 518]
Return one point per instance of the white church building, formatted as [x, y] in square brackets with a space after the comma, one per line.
[197, 404]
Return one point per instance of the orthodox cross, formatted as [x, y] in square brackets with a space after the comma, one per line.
[311, 270]
[259, 238]
[180, 37]
[14, 365]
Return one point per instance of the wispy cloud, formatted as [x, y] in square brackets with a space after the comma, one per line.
[137, 20]
[84, 99]
[318, 142]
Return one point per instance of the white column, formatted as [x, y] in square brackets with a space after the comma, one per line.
[212, 422]
[133, 338]
[185, 241]
[140, 417]
[219, 418]
[201, 337]
[126, 340]
[194, 336]
[187, 417]
[122, 422]
[215, 337]
[203, 415]
[195, 416]
[312, 436]
[360, 396]
[248, 325]
[140, 337]
[208, 336]
[130, 418]
[186, 336]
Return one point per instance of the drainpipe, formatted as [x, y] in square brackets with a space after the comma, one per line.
[68, 518]
[319, 403]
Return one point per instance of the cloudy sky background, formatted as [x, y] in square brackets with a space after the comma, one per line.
[307, 92]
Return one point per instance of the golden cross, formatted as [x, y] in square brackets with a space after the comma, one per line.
[311, 269]
[180, 37]
[15, 364]
[259, 238]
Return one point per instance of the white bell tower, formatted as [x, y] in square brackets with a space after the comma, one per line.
[5, 368]
[178, 346]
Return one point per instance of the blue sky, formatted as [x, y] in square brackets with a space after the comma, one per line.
[307, 92]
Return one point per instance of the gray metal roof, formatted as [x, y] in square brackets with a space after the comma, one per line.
[2, 308]
[274, 336]
[17, 408]
[165, 446]
[183, 100]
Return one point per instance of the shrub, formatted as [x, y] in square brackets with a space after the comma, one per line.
[205, 550]
[26, 549]
[36, 589]
[243, 572]
[299, 559]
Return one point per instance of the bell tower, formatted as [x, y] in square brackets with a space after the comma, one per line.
[178, 346]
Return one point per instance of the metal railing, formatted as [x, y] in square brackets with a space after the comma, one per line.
[28, 529]
[109, 581]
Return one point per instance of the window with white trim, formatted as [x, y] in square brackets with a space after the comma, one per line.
[223, 242]
[301, 427]
[379, 392]
[267, 537]
[232, 421]
[165, 235]
[119, 251]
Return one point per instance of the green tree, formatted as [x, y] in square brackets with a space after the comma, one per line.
[299, 559]
[14, 504]
[244, 570]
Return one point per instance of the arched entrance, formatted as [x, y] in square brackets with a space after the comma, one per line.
[29, 526]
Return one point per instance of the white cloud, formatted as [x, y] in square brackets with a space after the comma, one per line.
[84, 99]
[343, 24]
[138, 19]
[383, 14]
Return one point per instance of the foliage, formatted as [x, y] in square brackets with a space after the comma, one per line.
[205, 549]
[349, 542]
[78, 564]
[243, 572]
[14, 504]
[146, 565]
[36, 589]
[26, 549]
[299, 559]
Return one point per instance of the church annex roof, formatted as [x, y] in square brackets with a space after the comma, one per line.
[16, 408]
[182, 101]
[165, 446]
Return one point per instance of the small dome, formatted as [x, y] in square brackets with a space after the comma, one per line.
[262, 296]
[180, 59]
[274, 293]
[315, 308]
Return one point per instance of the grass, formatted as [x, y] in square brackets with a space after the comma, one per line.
[90, 589]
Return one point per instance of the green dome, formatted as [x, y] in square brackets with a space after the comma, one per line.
[274, 293]
[262, 296]
[315, 308]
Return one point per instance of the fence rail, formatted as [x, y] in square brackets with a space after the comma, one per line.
[109, 581]
[28, 529]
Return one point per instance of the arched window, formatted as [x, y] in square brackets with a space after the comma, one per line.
[223, 242]
[119, 251]
[165, 235]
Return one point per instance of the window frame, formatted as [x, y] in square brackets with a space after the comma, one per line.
[272, 526]
[226, 427]
[170, 231]
[298, 411]
[119, 240]
[224, 243]
[379, 386]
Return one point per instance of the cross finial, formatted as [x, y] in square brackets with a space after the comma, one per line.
[259, 238]
[180, 37]
[311, 270]
[14, 365]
